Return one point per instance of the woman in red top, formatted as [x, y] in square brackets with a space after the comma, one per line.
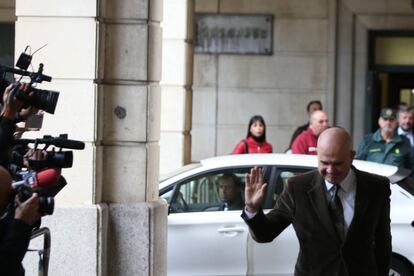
[255, 141]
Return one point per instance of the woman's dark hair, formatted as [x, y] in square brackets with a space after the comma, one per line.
[257, 118]
[313, 102]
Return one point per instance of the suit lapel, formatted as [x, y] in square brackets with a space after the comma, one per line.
[319, 202]
[362, 198]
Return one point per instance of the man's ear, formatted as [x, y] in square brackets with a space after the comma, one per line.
[353, 154]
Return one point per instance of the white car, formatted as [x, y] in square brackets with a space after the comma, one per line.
[204, 239]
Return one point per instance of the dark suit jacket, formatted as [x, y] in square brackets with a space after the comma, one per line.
[366, 249]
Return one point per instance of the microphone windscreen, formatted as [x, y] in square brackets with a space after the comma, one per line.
[68, 144]
[47, 178]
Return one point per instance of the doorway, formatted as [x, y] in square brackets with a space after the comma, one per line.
[390, 79]
[7, 44]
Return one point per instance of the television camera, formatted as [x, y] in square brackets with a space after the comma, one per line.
[42, 99]
[35, 164]
[42, 175]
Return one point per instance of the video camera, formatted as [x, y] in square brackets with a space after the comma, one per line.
[43, 176]
[36, 163]
[57, 159]
[42, 99]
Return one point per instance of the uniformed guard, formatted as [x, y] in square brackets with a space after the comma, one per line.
[385, 145]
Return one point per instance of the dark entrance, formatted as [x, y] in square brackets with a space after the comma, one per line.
[390, 79]
[7, 44]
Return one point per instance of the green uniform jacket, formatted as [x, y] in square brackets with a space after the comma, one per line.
[397, 152]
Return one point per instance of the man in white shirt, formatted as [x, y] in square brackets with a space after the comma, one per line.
[406, 123]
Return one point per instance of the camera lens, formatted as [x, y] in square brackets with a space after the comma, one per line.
[46, 205]
[45, 100]
[62, 159]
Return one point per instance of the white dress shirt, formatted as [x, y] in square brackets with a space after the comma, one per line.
[408, 134]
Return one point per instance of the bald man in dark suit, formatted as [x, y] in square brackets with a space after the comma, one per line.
[341, 215]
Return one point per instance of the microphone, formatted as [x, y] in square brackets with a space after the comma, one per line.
[47, 178]
[43, 179]
[54, 141]
[39, 76]
[66, 143]
[16, 71]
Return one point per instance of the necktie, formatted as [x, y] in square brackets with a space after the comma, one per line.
[337, 211]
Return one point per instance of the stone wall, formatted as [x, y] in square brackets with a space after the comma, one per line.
[105, 59]
[229, 89]
[7, 11]
[320, 51]
[70, 32]
[176, 84]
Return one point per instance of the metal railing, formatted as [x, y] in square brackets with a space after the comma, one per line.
[44, 253]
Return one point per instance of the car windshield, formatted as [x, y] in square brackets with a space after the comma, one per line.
[188, 167]
[407, 184]
[403, 179]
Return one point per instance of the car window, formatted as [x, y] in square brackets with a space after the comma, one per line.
[167, 195]
[188, 167]
[221, 190]
[283, 175]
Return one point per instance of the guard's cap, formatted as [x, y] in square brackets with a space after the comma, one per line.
[388, 113]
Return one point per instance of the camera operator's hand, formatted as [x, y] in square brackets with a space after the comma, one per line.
[33, 154]
[28, 211]
[10, 108]
[28, 119]
[27, 112]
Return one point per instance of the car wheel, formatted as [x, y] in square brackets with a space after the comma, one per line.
[399, 268]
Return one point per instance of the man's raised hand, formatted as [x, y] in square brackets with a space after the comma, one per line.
[255, 190]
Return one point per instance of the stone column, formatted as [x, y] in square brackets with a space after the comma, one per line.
[104, 57]
[176, 84]
[7, 19]
[345, 66]
[7, 11]
[128, 129]
[70, 32]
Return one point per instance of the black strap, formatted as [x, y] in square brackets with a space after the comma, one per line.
[246, 147]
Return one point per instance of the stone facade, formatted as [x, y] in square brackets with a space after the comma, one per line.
[105, 59]
[176, 84]
[7, 11]
[355, 20]
[319, 53]
[229, 89]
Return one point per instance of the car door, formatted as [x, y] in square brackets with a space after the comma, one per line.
[279, 256]
[205, 236]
